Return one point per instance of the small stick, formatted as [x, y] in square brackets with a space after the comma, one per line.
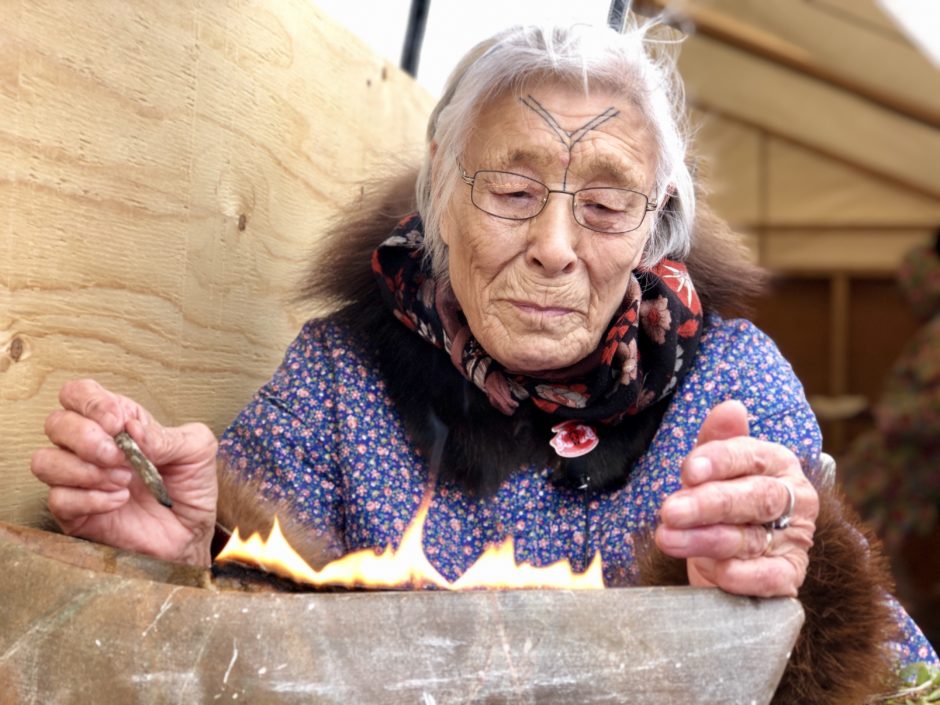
[147, 471]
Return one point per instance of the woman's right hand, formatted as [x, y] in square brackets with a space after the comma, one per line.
[95, 494]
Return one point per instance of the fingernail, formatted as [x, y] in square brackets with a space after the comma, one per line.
[109, 422]
[678, 508]
[699, 470]
[120, 476]
[674, 540]
[108, 452]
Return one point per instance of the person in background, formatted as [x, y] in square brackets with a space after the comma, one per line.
[534, 339]
[892, 473]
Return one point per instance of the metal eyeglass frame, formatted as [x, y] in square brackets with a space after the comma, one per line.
[470, 180]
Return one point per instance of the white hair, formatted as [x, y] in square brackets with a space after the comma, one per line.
[630, 63]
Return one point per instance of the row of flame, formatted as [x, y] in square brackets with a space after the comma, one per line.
[407, 566]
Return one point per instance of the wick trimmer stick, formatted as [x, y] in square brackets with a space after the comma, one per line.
[147, 471]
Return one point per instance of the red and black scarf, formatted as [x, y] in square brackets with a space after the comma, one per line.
[646, 351]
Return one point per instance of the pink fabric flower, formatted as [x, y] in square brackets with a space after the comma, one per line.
[573, 439]
[656, 319]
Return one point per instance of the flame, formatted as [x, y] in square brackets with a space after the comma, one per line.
[407, 566]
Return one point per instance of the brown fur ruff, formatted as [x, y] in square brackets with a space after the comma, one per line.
[841, 656]
[243, 505]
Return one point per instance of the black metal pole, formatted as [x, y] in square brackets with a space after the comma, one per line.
[617, 14]
[411, 51]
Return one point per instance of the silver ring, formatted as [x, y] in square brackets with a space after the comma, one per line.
[783, 521]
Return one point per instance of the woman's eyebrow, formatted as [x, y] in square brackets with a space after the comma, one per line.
[611, 171]
[522, 156]
[604, 170]
[582, 172]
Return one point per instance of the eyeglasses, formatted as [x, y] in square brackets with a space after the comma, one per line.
[510, 196]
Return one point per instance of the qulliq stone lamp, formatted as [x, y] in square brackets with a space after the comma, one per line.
[85, 623]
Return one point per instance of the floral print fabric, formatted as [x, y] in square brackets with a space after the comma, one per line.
[324, 435]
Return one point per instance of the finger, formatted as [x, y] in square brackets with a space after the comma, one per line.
[727, 420]
[773, 576]
[739, 457]
[58, 467]
[69, 504]
[719, 541]
[748, 500]
[192, 443]
[88, 398]
[84, 437]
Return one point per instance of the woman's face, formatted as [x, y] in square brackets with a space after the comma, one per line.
[538, 294]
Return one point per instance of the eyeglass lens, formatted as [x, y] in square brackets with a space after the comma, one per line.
[517, 197]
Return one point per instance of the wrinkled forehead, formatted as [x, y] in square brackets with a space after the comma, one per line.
[553, 126]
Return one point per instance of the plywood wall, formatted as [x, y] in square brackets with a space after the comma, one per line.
[164, 170]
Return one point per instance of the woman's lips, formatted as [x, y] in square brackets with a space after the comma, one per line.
[540, 310]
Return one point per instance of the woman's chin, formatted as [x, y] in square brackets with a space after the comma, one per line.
[537, 353]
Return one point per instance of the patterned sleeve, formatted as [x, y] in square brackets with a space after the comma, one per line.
[754, 372]
[778, 411]
[284, 437]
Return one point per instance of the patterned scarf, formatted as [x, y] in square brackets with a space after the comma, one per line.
[647, 349]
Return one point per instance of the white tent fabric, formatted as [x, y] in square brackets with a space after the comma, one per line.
[816, 119]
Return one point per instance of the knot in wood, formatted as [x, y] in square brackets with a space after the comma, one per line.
[16, 349]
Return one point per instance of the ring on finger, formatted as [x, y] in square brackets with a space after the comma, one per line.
[783, 521]
[769, 540]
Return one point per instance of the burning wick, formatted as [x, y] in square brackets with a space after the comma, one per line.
[147, 470]
[407, 566]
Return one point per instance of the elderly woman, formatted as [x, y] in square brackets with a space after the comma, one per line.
[539, 347]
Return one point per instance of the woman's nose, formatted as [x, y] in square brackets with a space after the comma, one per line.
[553, 237]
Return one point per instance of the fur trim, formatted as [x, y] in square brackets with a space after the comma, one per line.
[653, 567]
[842, 656]
[242, 504]
[482, 446]
[46, 521]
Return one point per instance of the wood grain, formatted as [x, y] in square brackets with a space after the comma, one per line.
[166, 170]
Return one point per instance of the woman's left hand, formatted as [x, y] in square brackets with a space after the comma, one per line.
[733, 487]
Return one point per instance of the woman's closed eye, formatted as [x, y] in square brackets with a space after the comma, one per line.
[602, 207]
[517, 198]
[605, 200]
[512, 198]
[517, 192]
